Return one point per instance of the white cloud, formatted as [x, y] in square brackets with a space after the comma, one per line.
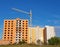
[54, 21]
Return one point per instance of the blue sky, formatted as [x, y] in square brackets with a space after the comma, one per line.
[45, 12]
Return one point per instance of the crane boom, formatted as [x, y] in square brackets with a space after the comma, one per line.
[18, 10]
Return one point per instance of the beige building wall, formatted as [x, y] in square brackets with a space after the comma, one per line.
[39, 34]
[31, 35]
[36, 34]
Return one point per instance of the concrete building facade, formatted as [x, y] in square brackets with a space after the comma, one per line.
[15, 30]
[36, 34]
[39, 34]
[49, 32]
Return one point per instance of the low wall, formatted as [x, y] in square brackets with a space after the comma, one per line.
[4, 42]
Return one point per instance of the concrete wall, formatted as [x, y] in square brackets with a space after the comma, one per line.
[50, 32]
[34, 34]
[3, 42]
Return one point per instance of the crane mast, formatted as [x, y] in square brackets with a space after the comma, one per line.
[30, 14]
[30, 26]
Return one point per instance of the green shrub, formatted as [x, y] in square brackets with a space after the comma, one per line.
[54, 41]
[22, 42]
